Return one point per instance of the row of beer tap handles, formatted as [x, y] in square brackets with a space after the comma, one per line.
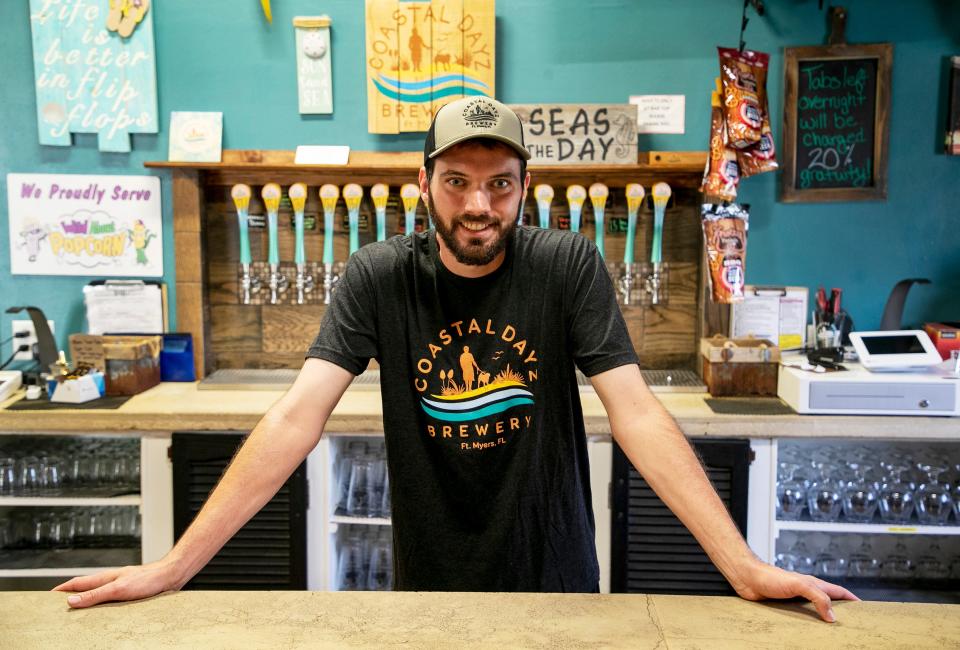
[410, 195]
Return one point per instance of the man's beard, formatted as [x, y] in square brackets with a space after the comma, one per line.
[475, 252]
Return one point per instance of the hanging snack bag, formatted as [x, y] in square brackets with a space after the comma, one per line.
[725, 236]
[722, 173]
[744, 76]
[762, 156]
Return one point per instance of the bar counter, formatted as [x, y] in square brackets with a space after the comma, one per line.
[233, 619]
[181, 406]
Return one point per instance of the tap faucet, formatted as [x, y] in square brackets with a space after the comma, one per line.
[635, 194]
[277, 281]
[329, 194]
[304, 281]
[661, 196]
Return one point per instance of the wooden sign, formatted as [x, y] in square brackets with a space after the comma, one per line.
[314, 85]
[579, 134]
[90, 79]
[835, 133]
[423, 54]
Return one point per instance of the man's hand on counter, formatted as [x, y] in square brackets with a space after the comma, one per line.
[763, 581]
[128, 583]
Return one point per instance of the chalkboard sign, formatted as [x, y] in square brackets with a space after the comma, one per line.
[837, 100]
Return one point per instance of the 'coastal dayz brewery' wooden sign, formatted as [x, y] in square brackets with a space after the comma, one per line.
[95, 70]
[579, 134]
[423, 54]
[75, 224]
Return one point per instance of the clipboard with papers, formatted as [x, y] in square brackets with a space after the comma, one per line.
[776, 313]
[126, 306]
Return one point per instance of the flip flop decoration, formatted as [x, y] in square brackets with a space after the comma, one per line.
[266, 10]
[124, 15]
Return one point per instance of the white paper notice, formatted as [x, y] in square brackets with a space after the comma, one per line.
[660, 113]
[322, 155]
[760, 318]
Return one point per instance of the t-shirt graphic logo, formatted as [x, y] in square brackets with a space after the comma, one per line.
[476, 384]
[481, 114]
[462, 402]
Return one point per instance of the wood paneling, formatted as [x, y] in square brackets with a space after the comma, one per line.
[230, 335]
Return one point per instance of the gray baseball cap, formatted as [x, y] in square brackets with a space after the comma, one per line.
[474, 117]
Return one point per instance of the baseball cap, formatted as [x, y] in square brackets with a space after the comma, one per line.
[473, 117]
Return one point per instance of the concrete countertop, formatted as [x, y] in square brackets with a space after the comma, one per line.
[456, 620]
[181, 407]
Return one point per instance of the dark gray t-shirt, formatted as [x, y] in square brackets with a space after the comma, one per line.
[486, 449]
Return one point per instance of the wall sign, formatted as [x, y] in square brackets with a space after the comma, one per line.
[660, 113]
[73, 224]
[314, 84]
[835, 133]
[195, 137]
[423, 54]
[89, 78]
[579, 134]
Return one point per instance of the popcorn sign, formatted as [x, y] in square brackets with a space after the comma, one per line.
[90, 78]
[73, 224]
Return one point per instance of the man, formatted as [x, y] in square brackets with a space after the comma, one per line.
[490, 485]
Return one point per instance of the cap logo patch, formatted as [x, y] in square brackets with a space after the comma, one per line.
[480, 114]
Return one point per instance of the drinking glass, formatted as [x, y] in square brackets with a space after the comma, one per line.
[825, 496]
[385, 506]
[8, 476]
[791, 493]
[51, 475]
[897, 564]
[896, 497]
[28, 476]
[378, 469]
[361, 489]
[931, 564]
[350, 576]
[802, 558]
[863, 562]
[380, 575]
[933, 497]
[860, 496]
[831, 561]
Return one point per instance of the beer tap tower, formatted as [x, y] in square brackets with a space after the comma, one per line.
[328, 198]
[380, 193]
[576, 195]
[249, 284]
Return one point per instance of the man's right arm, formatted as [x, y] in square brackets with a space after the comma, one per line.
[276, 447]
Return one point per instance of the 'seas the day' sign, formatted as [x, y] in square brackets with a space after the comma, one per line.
[90, 79]
[74, 224]
[579, 134]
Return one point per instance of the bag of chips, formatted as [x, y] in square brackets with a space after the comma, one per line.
[725, 236]
[744, 76]
[722, 173]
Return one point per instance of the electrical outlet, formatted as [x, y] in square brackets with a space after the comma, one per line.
[30, 339]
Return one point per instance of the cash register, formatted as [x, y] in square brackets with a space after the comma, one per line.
[898, 373]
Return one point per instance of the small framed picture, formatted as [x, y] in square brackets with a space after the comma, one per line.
[195, 137]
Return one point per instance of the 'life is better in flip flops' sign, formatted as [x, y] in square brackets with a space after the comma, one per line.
[95, 70]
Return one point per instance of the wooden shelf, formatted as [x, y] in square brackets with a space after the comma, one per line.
[680, 168]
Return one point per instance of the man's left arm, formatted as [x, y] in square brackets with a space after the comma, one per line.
[654, 444]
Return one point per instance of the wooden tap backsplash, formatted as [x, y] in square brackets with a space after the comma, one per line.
[229, 334]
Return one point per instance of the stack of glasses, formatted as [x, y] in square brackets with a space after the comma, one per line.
[57, 528]
[70, 468]
[365, 559]
[363, 484]
[864, 484]
[876, 556]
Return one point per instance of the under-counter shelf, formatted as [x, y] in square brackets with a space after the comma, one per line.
[126, 500]
[361, 521]
[872, 529]
[66, 562]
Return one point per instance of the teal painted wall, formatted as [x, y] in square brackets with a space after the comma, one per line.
[222, 55]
